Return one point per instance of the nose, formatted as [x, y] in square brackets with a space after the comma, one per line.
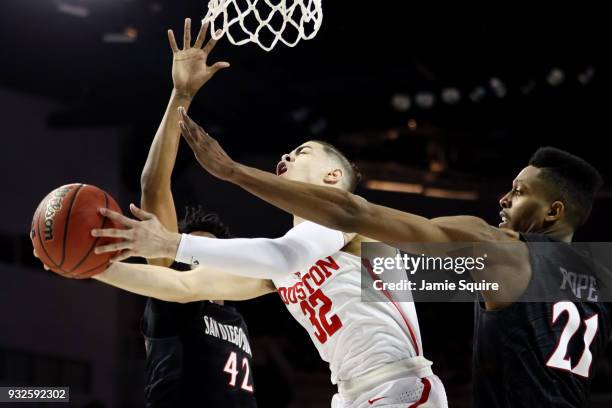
[504, 202]
[286, 157]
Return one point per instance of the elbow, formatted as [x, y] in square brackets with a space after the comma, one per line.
[151, 184]
[152, 188]
[147, 186]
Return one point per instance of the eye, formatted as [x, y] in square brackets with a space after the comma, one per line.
[517, 191]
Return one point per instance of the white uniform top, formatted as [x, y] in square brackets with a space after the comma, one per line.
[323, 293]
[352, 335]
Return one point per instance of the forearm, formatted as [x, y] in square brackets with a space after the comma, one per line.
[147, 280]
[262, 258]
[160, 162]
[182, 287]
[337, 209]
[331, 207]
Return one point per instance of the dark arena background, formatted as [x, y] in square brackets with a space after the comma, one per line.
[440, 108]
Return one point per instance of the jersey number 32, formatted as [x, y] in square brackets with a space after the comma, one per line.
[324, 327]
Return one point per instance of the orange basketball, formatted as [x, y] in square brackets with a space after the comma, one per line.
[61, 230]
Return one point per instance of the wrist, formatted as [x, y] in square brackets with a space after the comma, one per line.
[183, 94]
[173, 242]
[237, 173]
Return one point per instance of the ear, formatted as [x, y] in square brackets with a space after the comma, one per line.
[555, 212]
[333, 177]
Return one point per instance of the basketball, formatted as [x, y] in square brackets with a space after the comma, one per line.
[61, 230]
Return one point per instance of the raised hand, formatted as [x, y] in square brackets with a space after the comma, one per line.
[190, 70]
[207, 150]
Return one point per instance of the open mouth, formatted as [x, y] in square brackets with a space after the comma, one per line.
[504, 219]
[281, 168]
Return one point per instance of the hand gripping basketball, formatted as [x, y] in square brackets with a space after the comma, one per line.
[145, 237]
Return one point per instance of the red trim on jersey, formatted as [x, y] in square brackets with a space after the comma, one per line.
[368, 266]
[424, 394]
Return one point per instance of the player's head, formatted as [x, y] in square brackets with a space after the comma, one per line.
[555, 190]
[198, 222]
[320, 163]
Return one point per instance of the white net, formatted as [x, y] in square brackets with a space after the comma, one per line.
[265, 22]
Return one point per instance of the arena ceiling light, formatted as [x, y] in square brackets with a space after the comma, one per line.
[425, 100]
[478, 94]
[498, 87]
[555, 77]
[586, 76]
[451, 96]
[75, 10]
[401, 102]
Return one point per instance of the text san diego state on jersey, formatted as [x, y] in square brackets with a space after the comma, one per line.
[541, 354]
[198, 354]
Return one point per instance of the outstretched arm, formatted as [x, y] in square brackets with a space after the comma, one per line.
[264, 258]
[189, 73]
[332, 207]
[190, 286]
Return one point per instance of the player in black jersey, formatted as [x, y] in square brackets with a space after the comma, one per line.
[197, 353]
[525, 354]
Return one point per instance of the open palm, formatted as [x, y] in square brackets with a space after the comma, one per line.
[190, 69]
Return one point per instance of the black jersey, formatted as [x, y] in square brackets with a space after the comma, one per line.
[539, 354]
[197, 354]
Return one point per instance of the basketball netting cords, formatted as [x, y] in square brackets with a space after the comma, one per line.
[366, 263]
[286, 21]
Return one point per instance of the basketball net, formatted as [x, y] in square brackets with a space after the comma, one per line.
[243, 21]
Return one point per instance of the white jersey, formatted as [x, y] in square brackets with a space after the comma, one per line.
[352, 335]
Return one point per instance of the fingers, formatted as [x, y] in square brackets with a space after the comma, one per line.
[112, 233]
[201, 36]
[115, 216]
[140, 213]
[118, 246]
[187, 119]
[36, 256]
[122, 256]
[210, 45]
[187, 34]
[172, 41]
[187, 136]
[217, 66]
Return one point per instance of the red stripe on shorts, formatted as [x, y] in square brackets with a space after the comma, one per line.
[424, 394]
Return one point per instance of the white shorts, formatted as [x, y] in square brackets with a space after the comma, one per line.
[411, 392]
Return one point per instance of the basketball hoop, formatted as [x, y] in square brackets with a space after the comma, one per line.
[265, 22]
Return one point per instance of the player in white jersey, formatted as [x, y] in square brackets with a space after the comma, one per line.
[373, 348]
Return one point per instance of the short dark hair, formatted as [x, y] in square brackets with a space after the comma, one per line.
[353, 175]
[573, 178]
[196, 219]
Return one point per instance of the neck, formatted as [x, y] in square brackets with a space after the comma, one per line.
[559, 233]
[297, 220]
